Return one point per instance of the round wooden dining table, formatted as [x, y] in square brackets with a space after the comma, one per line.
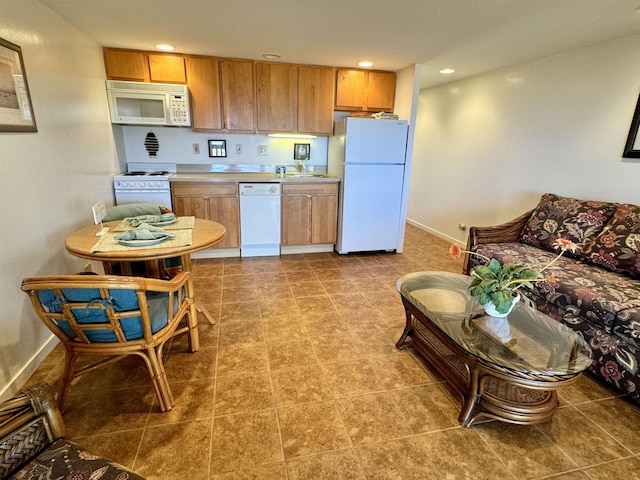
[205, 234]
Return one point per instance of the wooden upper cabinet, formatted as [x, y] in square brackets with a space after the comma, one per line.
[381, 91]
[141, 66]
[350, 86]
[316, 87]
[166, 68]
[126, 65]
[361, 90]
[203, 78]
[238, 95]
[276, 95]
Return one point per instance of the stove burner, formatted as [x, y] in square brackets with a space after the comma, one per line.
[130, 174]
[159, 172]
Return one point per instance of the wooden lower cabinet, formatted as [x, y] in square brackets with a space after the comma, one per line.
[212, 201]
[309, 213]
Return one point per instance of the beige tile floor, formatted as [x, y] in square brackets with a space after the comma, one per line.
[300, 379]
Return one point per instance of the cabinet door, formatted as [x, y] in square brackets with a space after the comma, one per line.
[226, 211]
[350, 88]
[324, 218]
[167, 68]
[296, 224]
[190, 206]
[203, 78]
[238, 95]
[125, 65]
[315, 100]
[381, 91]
[276, 95]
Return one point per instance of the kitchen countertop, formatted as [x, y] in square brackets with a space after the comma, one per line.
[254, 177]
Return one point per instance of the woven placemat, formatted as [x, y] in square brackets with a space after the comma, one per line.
[182, 223]
[108, 243]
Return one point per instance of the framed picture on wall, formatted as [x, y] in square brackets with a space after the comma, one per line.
[217, 148]
[16, 111]
[301, 151]
[632, 147]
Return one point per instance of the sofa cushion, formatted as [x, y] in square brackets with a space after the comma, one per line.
[617, 248]
[605, 299]
[68, 460]
[562, 217]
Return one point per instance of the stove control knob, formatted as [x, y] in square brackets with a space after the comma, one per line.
[140, 184]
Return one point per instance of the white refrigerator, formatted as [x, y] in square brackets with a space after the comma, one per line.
[369, 157]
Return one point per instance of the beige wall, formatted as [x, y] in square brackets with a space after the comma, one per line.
[487, 147]
[48, 179]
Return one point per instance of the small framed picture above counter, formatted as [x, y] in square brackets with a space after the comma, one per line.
[301, 151]
[217, 148]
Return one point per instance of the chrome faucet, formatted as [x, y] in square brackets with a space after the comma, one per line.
[303, 168]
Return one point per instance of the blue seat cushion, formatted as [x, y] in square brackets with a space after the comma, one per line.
[121, 300]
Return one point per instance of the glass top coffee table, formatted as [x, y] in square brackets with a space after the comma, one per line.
[507, 368]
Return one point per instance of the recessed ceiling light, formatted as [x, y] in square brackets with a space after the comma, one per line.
[447, 71]
[166, 48]
[366, 63]
[271, 56]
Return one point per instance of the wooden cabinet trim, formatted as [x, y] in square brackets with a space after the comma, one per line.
[204, 189]
[310, 189]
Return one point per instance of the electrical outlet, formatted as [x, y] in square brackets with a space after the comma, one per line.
[196, 149]
[263, 150]
[238, 149]
[87, 267]
[462, 226]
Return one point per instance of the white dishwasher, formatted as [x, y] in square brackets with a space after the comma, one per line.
[259, 219]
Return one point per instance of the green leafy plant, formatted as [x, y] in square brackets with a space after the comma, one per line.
[498, 283]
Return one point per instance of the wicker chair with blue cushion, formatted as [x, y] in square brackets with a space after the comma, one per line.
[114, 316]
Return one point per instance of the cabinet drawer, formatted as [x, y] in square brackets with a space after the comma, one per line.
[204, 189]
[310, 189]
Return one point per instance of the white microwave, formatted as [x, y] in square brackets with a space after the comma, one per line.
[137, 103]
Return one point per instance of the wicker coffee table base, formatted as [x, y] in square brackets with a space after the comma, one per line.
[486, 390]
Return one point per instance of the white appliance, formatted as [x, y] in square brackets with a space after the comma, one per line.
[259, 219]
[369, 156]
[138, 103]
[142, 186]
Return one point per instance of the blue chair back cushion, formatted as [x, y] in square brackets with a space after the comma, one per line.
[121, 300]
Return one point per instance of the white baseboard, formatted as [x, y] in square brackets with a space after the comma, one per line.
[435, 232]
[27, 370]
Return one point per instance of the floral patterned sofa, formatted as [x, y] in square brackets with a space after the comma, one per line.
[596, 290]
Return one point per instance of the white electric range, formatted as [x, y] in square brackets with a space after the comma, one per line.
[144, 183]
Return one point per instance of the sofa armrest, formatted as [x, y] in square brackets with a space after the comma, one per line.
[29, 423]
[504, 233]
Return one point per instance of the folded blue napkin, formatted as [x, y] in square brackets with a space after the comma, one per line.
[136, 221]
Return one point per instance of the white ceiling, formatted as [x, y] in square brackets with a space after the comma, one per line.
[471, 36]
